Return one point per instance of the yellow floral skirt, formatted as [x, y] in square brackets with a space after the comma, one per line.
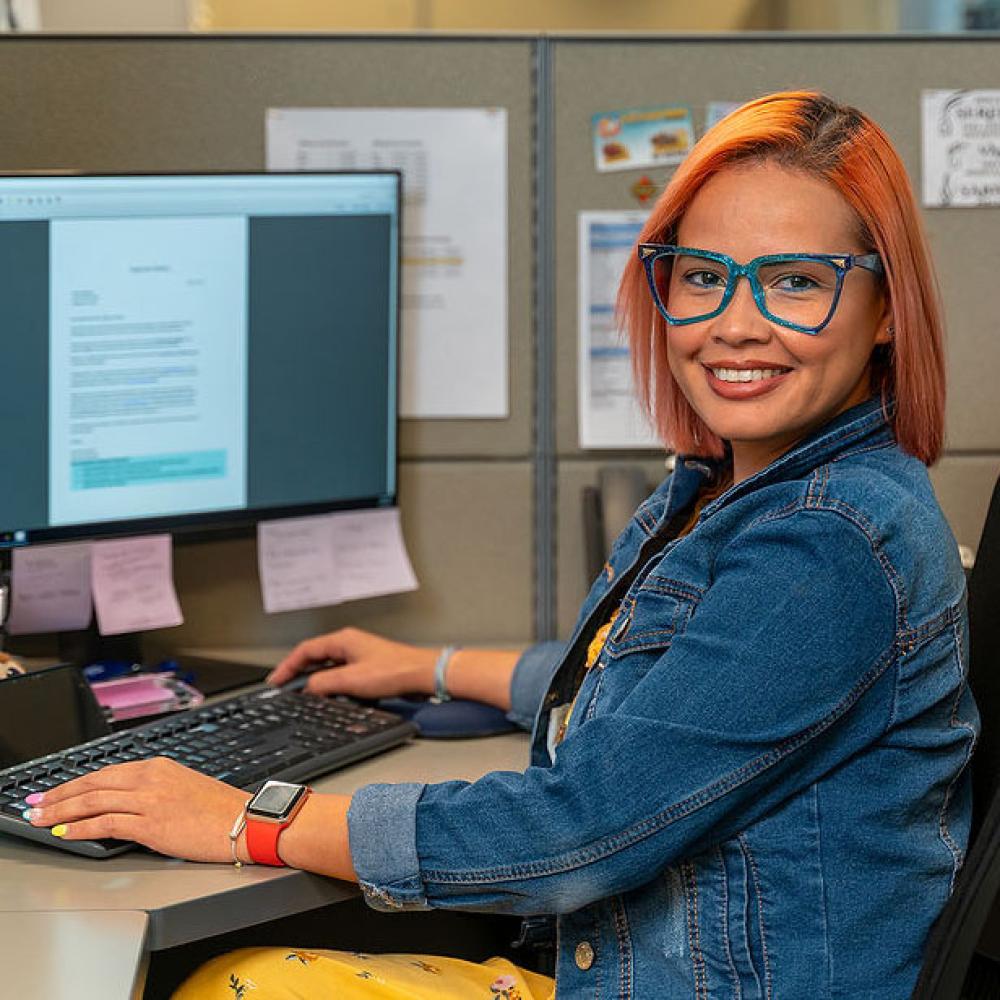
[292, 974]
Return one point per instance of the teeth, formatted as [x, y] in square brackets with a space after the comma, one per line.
[746, 374]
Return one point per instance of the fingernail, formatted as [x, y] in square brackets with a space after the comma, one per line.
[32, 815]
[34, 798]
[59, 831]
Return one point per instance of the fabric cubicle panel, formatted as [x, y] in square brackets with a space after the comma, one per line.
[198, 103]
[882, 75]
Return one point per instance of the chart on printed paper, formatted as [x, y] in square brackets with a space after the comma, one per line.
[610, 416]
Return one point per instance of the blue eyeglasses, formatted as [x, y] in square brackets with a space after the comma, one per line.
[796, 290]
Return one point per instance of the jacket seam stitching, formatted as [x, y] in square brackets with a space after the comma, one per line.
[957, 854]
[758, 889]
[624, 949]
[724, 914]
[694, 934]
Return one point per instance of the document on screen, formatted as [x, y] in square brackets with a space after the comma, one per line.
[148, 329]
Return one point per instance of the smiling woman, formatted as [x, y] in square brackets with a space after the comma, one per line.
[756, 743]
[790, 174]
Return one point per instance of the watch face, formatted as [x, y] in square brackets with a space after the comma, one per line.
[275, 799]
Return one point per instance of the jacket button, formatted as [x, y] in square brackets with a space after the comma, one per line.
[584, 955]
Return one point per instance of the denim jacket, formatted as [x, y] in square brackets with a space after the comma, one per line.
[763, 792]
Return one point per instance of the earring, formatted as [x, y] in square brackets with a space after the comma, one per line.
[891, 330]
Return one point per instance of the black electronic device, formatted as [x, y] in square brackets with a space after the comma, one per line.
[52, 730]
[193, 353]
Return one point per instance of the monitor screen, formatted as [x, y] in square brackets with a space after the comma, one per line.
[193, 351]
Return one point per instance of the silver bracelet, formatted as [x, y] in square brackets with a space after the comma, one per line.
[234, 836]
[440, 688]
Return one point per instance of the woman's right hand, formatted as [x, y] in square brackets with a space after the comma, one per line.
[363, 665]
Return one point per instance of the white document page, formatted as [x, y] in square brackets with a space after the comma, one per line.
[609, 414]
[309, 562]
[453, 332]
[296, 564]
[133, 584]
[50, 589]
[148, 331]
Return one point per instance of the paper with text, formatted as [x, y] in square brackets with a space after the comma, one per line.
[295, 564]
[311, 562]
[133, 584]
[609, 412]
[370, 554]
[50, 590]
[453, 343]
[961, 147]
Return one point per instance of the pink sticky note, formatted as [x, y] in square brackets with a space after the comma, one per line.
[132, 580]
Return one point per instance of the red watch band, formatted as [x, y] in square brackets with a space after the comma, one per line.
[262, 836]
[262, 841]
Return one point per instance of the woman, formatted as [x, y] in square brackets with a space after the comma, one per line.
[749, 764]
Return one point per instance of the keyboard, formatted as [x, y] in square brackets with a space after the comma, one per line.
[286, 734]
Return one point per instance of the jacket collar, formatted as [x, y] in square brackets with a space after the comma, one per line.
[866, 425]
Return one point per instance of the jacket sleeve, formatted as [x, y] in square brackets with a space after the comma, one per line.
[530, 681]
[783, 672]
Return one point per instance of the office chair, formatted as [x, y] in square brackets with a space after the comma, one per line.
[607, 508]
[951, 969]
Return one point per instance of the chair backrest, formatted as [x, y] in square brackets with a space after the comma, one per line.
[953, 939]
[984, 658]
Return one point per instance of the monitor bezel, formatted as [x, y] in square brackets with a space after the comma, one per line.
[219, 524]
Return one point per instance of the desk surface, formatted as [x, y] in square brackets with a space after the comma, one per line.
[100, 917]
[83, 956]
[187, 901]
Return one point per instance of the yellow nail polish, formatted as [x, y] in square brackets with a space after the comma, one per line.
[59, 831]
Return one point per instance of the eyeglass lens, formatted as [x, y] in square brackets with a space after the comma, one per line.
[799, 291]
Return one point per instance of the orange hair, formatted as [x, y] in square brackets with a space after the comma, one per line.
[809, 132]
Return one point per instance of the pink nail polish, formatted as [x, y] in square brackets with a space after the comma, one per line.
[34, 798]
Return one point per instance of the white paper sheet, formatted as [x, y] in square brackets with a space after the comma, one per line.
[50, 589]
[310, 562]
[609, 415]
[133, 584]
[453, 342]
[961, 147]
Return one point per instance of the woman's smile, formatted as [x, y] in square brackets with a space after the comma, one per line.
[744, 380]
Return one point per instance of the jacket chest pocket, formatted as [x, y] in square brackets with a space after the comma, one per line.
[651, 616]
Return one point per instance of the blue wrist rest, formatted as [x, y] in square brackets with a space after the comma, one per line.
[450, 720]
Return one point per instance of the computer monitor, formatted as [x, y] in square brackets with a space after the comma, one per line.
[195, 352]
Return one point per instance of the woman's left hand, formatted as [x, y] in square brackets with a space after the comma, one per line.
[155, 802]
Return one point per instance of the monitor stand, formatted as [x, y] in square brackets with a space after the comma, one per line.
[88, 646]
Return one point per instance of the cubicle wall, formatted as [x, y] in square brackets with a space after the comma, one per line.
[492, 508]
[199, 103]
[883, 76]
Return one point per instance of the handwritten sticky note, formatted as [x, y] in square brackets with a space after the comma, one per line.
[50, 589]
[133, 584]
[310, 562]
[296, 570]
[370, 554]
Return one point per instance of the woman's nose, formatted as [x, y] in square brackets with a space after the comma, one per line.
[741, 321]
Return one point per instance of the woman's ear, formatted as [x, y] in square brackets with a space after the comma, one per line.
[885, 329]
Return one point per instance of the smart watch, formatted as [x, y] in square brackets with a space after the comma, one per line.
[273, 807]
